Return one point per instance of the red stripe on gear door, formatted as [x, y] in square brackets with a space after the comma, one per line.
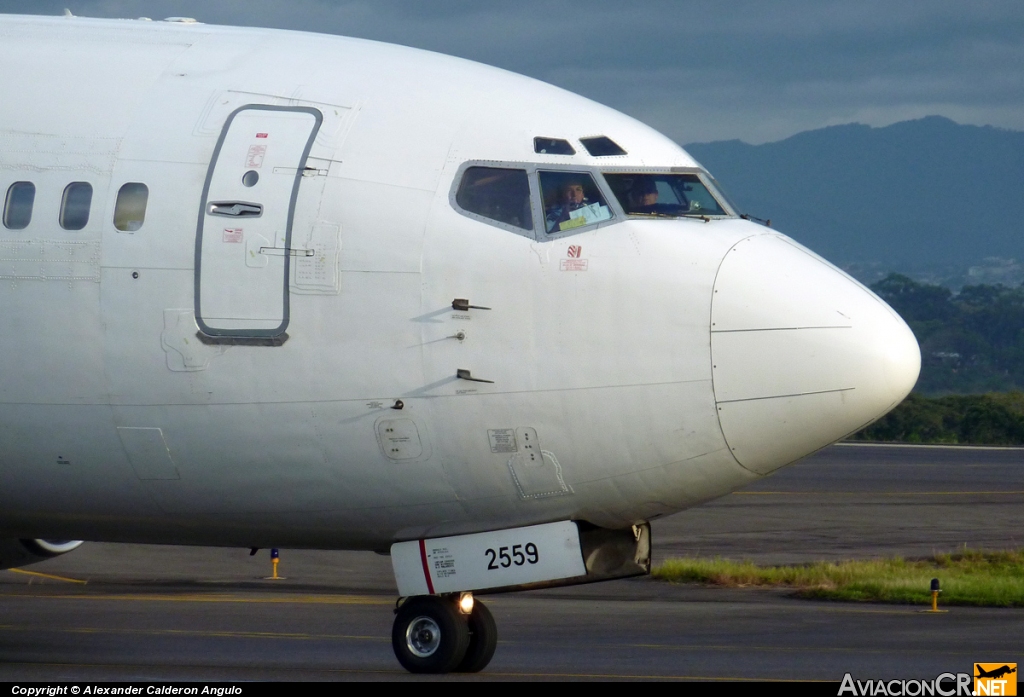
[426, 568]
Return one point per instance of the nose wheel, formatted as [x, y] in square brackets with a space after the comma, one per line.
[431, 635]
[483, 639]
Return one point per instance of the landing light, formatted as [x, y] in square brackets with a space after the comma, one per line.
[466, 603]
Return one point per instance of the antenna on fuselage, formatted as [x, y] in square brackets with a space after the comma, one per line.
[67, 13]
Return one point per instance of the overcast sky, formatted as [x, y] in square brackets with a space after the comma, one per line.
[697, 70]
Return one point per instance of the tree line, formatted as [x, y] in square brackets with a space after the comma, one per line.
[985, 419]
[971, 342]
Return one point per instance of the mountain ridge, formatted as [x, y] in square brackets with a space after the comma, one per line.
[923, 192]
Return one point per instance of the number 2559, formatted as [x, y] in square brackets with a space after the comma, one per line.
[520, 555]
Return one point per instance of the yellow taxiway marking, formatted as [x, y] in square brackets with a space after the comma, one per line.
[795, 649]
[214, 598]
[225, 633]
[51, 576]
[876, 493]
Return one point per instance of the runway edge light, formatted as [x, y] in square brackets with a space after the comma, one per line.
[935, 597]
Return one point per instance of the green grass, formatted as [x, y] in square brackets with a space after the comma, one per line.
[994, 579]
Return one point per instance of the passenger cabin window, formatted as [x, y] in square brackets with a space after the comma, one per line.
[74, 206]
[664, 195]
[18, 205]
[602, 146]
[130, 208]
[571, 200]
[497, 194]
[553, 146]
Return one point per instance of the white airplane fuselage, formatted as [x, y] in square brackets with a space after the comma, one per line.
[635, 368]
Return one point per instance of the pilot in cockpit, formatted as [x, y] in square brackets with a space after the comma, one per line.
[570, 198]
[643, 195]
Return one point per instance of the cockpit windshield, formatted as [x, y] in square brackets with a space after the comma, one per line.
[664, 195]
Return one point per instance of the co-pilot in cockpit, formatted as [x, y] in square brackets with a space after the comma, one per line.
[664, 195]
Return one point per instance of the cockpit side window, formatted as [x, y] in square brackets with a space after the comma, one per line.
[571, 200]
[497, 193]
[664, 195]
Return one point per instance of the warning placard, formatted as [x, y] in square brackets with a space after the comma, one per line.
[254, 158]
[503, 440]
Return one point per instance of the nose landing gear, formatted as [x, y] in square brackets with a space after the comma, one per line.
[432, 635]
[483, 639]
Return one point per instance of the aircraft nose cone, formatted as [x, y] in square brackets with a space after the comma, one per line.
[802, 355]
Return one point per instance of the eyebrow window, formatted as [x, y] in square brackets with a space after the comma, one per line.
[18, 205]
[602, 146]
[130, 208]
[552, 146]
[571, 200]
[498, 194]
[75, 204]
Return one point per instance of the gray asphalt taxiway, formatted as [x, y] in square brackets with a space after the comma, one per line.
[149, 613]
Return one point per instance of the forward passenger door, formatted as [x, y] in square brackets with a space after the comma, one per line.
[244, 237]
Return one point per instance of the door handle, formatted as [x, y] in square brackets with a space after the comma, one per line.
[236, 209]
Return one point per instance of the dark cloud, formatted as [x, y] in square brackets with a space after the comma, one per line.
[697, 70]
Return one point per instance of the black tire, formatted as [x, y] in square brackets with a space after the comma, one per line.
[429, 635]
[483, 639]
